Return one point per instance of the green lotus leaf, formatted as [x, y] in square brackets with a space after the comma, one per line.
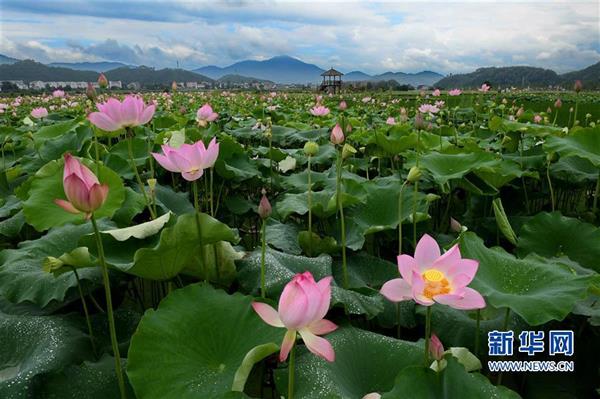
[22, 277]
[584, 143]
[365, 362]
[532, 288]
[90, 380]
[555, 235]
[209, 335]
[35, 345]
[453, 382]
[445, 167]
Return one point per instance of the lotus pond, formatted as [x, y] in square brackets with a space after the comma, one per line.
[268, 245]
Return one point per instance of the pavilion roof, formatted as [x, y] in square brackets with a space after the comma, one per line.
[332, 72]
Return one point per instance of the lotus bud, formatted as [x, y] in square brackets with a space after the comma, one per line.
[311, 148]
[419, 121]
[455, 226]
[174, 86]
[343, 105]
[337, 135]
[578, 86]
[551, 157]
[102, 81]
[50, 264]
[520, 112]
[431, 197]
[436, 349]
[549, 110]
[348, 151]
[372, 395]
[557, 103]
[414, 174]
[90, 92]
[264, 206]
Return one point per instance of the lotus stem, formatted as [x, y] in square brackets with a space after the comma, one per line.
[576, 107]
[199, 225]
[109, 310]
[263, 251]
[427, 334]
[137, 175]
[342, 222]
[400, 209]
[85, 311]
[414, 212]
[477, 332]
[309, 199]
[596, 195]
[552, 201]
[212, 206]
[291, 366]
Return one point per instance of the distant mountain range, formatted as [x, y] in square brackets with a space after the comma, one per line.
[285, 69]
[241, 79]
[281, 69]
[523, 76]
[30, 70]
[7, 60]
[101, 66]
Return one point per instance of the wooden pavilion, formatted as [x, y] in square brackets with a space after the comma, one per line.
[332, 81]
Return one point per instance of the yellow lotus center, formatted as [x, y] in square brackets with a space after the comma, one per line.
[435, 283]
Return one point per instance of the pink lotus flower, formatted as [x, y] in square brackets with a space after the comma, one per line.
[484, 88]
[558, 103]
[319, 110]
[455, 92]
[537, 118]
[206, 114]
[39, 112]
[58, 93]
[82, 188]
[439, 103]
[390, 121]
[337, 135]
[430, 277]
[115, 115]
[302, 307]
[190, 159]
[343, 105]
[436, 93]
[428, 109]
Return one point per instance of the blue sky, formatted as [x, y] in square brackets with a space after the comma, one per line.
[372, 36]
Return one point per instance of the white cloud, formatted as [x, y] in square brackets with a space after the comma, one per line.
[446, 36]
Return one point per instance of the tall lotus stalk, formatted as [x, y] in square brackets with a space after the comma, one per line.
[85, 195]
[337, 138]
[115, 115]
[557, 106]
[191, 160]
[204, 116]
[303, 305]
[310, 149]
[578, 86]
[264, 211]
